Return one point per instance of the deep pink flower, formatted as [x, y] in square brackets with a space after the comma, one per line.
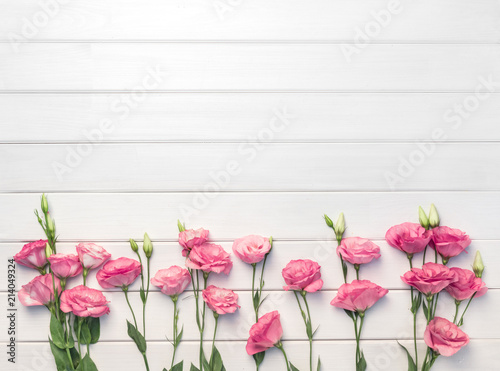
[209, 257]
[32, 255]
[444, 337]
[467, 284]
[410, 238]
[65, 265]
[172, 281]
[84, 302]
[302, 274]
[118, 273]
[219, 300]
[358, 296]
[191, 238]
[40, 291]
[356, 250]
[431, 279]
[265, 334]
[449, 242]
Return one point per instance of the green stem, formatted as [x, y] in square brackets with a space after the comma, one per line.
[457, 306]
[145, 301]
[344, 273]
[67, 333]
[78, 337]
[145, 361]
[410, 260]
[280, 347]
[356, 267]
[216, 316]
[425, 252]
[176, 318]
[262, 276]
[69, 358]
[461, 322]
[435, 305]
[125, 290]
[310, 324]
[202, 329]
[355, 321]
[255, 305]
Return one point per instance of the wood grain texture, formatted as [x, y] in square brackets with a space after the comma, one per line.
[236, 20]
[221, 167]
[262, 67]
[216, 117]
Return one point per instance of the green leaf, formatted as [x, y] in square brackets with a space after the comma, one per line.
[206, 365]
[259, 358]
[57, 333]
[60, 357]
[349, 313]
[256, 300]
[179, 337]
[87, 364]
[194, 368]
[95, 329]
[361, 365]
[178, 367]
[143, 295]
[293, 368]
[216, 360]
[416, 303]
[319, 364]
[85, 337]
[137, 337]
[426, 311]
[411, 362]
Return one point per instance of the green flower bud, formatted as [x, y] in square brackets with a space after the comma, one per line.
[45, 204]
[147, 246]
[51, 225]
[422, 217]
[433, 217]
[48, 250]
[181, 226]
[328, 221]
[271, 243]
[133, 245]
[478, 266]
[340, 226]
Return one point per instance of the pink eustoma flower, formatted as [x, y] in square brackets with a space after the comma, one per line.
[65, 265]
[444, 337]
[191, 238]
[209, 257]
[302, 274]
[172, 281]
[410, 238]
[449, 242]
[221, 301]
[467, 284]
[40, 291]
[91, 255]
[265, 334]
[431, 279]
[251, 249]
[32, 255]
[356, 250]
[118, 273]
[83, 301]
[358, 296]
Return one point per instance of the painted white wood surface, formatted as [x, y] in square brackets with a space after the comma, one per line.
[219, 117]
[246, 66]
[225, 78]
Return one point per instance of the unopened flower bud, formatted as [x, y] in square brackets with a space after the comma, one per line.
[478, 266]
[433, 217]
[340, 226]
[48, 250]
[328, 221]
[422, 217]
[181, 226]
[51, 225]
[133, 245]
[147, 246]
[45, 204]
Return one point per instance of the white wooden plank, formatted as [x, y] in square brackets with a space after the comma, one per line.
[231, 117]
[268, 67]
[333, 322]
[119, 216]
[424, 21]
[91, 166]
[337, 355]
[385, 271]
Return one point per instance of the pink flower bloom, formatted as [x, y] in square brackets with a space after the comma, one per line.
[91, 255]
[209, 257]
[265, 334]
[32, 255]
[172, 281]
[302, 275]
[444, 337]
[467, 284]
[118, 273]
[449, 242]
[358, 296]
[219, 300]
[65, 265]
[84, 302]
[191, 238]
[410, 238]
[431, 279]
[40, 291]
[251, 249]
[356, 250]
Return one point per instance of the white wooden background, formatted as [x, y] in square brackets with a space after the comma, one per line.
[173, 93]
